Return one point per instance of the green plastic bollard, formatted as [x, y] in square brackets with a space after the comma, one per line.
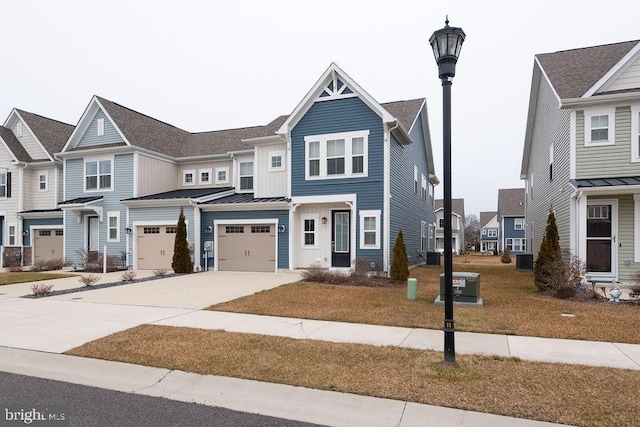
[412, 289]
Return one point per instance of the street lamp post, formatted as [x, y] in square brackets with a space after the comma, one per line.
[446, 44]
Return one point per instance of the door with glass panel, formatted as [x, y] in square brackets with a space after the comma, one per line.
[601, 238]
[340, 234]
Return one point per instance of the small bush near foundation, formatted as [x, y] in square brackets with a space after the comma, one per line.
[41, 289]
[400, 264]
[88, 280]
[128, 276]
[506, 256]
[160, 272]
[317, 273]
[48, 265]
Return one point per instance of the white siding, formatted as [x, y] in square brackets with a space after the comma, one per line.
[270, 183]
[29, 142]
[198, 167]
[155, 176]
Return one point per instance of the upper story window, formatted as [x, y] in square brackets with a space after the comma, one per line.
[415, 179]
[599, 127]
[246, 176]
[342, 155]
[276, 161]
[222, 175]
[441, 222]
[492, 232]
[551, 163]
[42, 182]
[188, 177]
[518, 224]
[205, 176]
[98, 174]
[19, 129]
[4, 184]
[424, 188]
[635, 132]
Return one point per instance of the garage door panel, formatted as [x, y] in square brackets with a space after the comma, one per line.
[47, 245]
[246, 247]
[154, 247]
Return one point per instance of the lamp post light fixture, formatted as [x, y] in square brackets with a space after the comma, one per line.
[446, 44]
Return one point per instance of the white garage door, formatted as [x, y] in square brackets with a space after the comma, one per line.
[247, 247]
[47, 245]
[154, 246]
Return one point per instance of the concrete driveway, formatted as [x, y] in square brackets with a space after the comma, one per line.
[57, 324]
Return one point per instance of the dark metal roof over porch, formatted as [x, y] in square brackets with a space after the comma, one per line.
[605, 182]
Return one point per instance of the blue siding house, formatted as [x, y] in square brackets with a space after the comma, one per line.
[511, 216]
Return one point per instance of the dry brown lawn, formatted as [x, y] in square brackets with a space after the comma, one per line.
[511, 306]
[569, 394]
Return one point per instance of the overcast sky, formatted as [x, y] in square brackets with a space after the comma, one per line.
[207, 65]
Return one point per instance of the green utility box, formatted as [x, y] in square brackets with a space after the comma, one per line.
[466, 289]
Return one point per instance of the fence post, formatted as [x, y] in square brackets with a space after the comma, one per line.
[1, 256]
[104, 260]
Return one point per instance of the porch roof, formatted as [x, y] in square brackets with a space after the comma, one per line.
[605, 182]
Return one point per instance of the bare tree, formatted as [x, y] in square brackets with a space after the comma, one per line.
[472, 232]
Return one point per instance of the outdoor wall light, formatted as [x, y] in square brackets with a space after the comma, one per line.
[324, 220]
[208, 229]
[128, 230]
[25, 233]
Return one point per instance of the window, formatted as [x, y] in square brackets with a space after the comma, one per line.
[205, 176]
[598, 125]
[492, 232]
[276, 161]
[188, 177]
[341, 155]
[3, 184]
[424, 233]
[415, 180]
[310, 231]
[42, 182]
[100, 127]
[424, 188]
[11, 238]
[231, 229]
[113, 224]
[515, 244]
[635, 132]
[441, 222]
[260, 229]
[246, 176]
[551, 163]
[518, 223]
[370, 229]
[222, 175]
[97, 174]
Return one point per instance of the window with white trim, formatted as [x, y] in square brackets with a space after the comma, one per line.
[246, 176]
[3, 183]
[276, 161]
[188, 177]
[599, 127]
[635, 133]
[11, 234]
[222, 175]
[423, 236]
[100, 127]
[424, 187]
[113, 226]
[518, 223]
[415, 179]
[370, 229]
[515, 244]
[309, 231]
[205, 176]
[19, 129]
[492, 232]
[43, 181]
[441, 222]
[340, 155]
[98, 174]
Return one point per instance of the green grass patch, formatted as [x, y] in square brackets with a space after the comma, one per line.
[11, 278]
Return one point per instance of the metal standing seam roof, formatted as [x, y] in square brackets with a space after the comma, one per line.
[573, 72]
[81, 200]
[605, 182]
[244, 198]
[192, 193]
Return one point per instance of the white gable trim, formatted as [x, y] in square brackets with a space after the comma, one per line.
[312, 96]
[623, 63]
[88, 115]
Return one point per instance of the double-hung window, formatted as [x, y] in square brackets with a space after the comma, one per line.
[340, 155]
[518, 223]
[370, 229]
[42, 182]
[98, 174]
[310, 231]
[113, 223]
[599, 127]
[424, 233]
[492, 232]
[3, 184]
[246, 176]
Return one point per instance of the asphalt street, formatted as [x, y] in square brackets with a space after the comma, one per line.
[92, 406]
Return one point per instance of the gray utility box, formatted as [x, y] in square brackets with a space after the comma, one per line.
[466, 289]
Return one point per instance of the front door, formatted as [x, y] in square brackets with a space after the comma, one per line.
[340, 233]
[601, 238]
[93, 233]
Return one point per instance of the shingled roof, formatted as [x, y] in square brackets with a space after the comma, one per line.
[573, 72]
[52, 134]
[486, 217]
[405, 111]
[457, 206]
[511, 201]
[14, 145]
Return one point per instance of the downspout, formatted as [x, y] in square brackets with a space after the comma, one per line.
[20, 225]
[387, 196]
[196, 235]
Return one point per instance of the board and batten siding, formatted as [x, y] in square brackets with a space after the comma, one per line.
[551, 126]
[336, 116]
[90, 137]
[208, 217]
[270, 183]
[607, 161]
[155, 175]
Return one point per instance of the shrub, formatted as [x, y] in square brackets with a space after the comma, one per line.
[48, 265]
[181, 258]
[506, 256]
[400, 265]
[88, 280]
[634, 291]
[317, 273]
[92, 260]
[41, 289]
[548, 268]
[128, 276]
[160, 272]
